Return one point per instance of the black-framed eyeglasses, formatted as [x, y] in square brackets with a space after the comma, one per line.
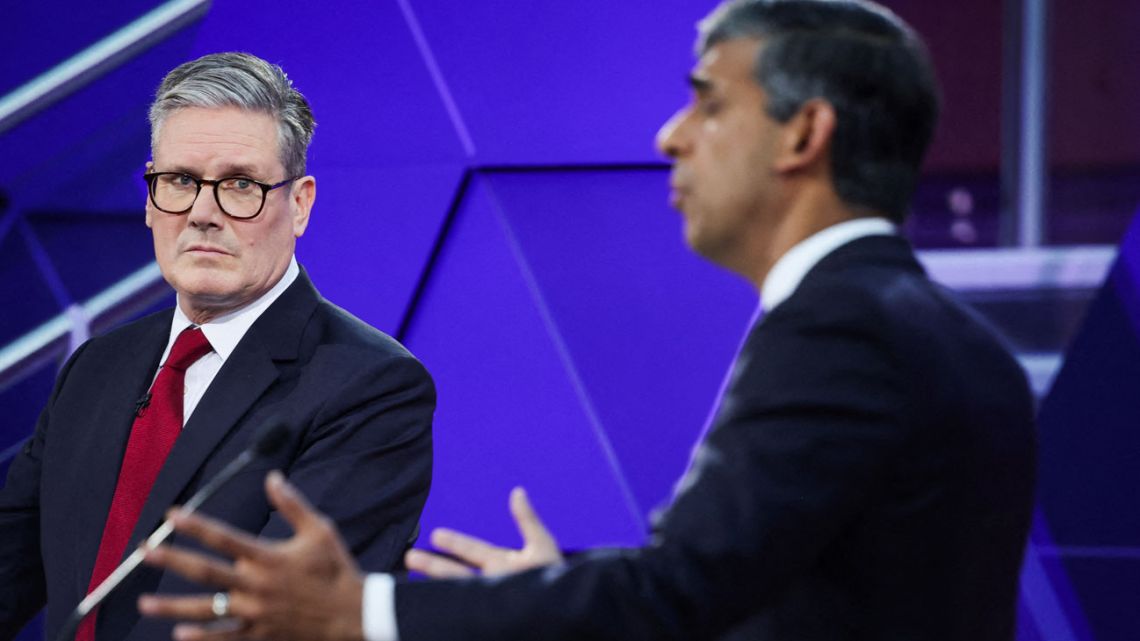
[237, 196]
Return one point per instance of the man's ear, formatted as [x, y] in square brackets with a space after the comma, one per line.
[807, 136]
[303, 195]
[149, 167]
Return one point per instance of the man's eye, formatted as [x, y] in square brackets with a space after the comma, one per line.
[238, 184]
[176, 181]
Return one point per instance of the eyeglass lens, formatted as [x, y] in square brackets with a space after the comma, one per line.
[239, 197]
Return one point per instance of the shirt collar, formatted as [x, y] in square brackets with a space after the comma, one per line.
[790, 269]
[225, 332]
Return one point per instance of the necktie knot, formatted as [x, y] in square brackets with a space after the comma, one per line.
[190, 345]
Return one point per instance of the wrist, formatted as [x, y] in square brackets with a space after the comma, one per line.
[347, 624]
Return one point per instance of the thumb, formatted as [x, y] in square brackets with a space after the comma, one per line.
[290, 502]
[531, 527]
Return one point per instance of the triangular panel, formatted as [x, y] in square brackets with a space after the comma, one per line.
[509, 412]
[1090, 454]
[651, 327]
[371, 233]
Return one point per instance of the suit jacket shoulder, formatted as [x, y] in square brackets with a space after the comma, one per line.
[358, 408]
[868, 474]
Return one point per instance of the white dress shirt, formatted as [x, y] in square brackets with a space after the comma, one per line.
[379, 604]
[224, 334]
[791, 268]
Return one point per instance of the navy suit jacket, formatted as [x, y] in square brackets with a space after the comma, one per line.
[358, 405]
[868, 475]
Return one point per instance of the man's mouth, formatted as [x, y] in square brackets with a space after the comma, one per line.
[205, 249]
[677, 195]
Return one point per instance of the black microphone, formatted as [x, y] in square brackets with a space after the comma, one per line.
[270, 438]
[142, 404]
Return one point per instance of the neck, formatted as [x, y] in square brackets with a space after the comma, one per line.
[200, 315]
[804, 217]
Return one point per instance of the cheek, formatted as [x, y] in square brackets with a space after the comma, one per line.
[262, 248]
[165, 236]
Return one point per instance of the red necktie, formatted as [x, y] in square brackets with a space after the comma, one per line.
[155, 429]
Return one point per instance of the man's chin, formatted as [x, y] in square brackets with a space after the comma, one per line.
[692, 237]
[710, 248]
[205, 288]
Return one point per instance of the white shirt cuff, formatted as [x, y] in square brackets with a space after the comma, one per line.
[379, 608]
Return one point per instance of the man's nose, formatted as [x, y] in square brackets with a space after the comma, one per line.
[671, 138]
[206, 211]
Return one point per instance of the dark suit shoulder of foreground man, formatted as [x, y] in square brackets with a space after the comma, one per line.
[869, 472]
[120, 440]
[867, 476]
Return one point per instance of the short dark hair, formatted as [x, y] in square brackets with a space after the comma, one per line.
[863, 60]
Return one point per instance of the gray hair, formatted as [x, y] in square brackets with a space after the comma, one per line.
[245, 81]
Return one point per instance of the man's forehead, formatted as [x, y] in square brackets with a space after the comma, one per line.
[218, 136]
[728, 60]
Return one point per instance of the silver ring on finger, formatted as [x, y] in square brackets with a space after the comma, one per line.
[221, 605]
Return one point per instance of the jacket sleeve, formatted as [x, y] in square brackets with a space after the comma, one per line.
[810, 420]
[23, 591]
[365, 460]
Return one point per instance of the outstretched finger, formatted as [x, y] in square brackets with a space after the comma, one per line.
[290, 502]
[196, 567]
[436, 566]
[218, 536]
[182, 608]
[466, 548]
[226, 630]
[531, 527]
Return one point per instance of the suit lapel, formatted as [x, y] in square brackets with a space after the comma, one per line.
[99, 450]
[249, 371]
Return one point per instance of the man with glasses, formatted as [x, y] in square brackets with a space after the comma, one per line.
[142, 417]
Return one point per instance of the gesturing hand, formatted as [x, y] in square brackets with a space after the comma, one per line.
[476, 556]
[304, 588]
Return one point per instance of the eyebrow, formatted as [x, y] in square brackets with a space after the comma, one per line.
[227, 170]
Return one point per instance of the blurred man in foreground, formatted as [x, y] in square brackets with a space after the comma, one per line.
[869, 472]
[142, 417]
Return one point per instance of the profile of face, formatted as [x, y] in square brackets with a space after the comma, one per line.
[217, 263]
[723, 145]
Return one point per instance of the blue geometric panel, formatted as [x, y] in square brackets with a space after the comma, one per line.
[40, 35]
[95, 174]
[586, 81]
[1049, 608]
[1090, 456]
[1090, 422]
[359, 67]
[24, 294]
[650, 327]
[89, 252]
[83, 152]
[34, 631]
[1109, 589]
[371, 232]
[510, 411]
[1026, 628]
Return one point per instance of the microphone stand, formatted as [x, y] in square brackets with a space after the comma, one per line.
[270, 438]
